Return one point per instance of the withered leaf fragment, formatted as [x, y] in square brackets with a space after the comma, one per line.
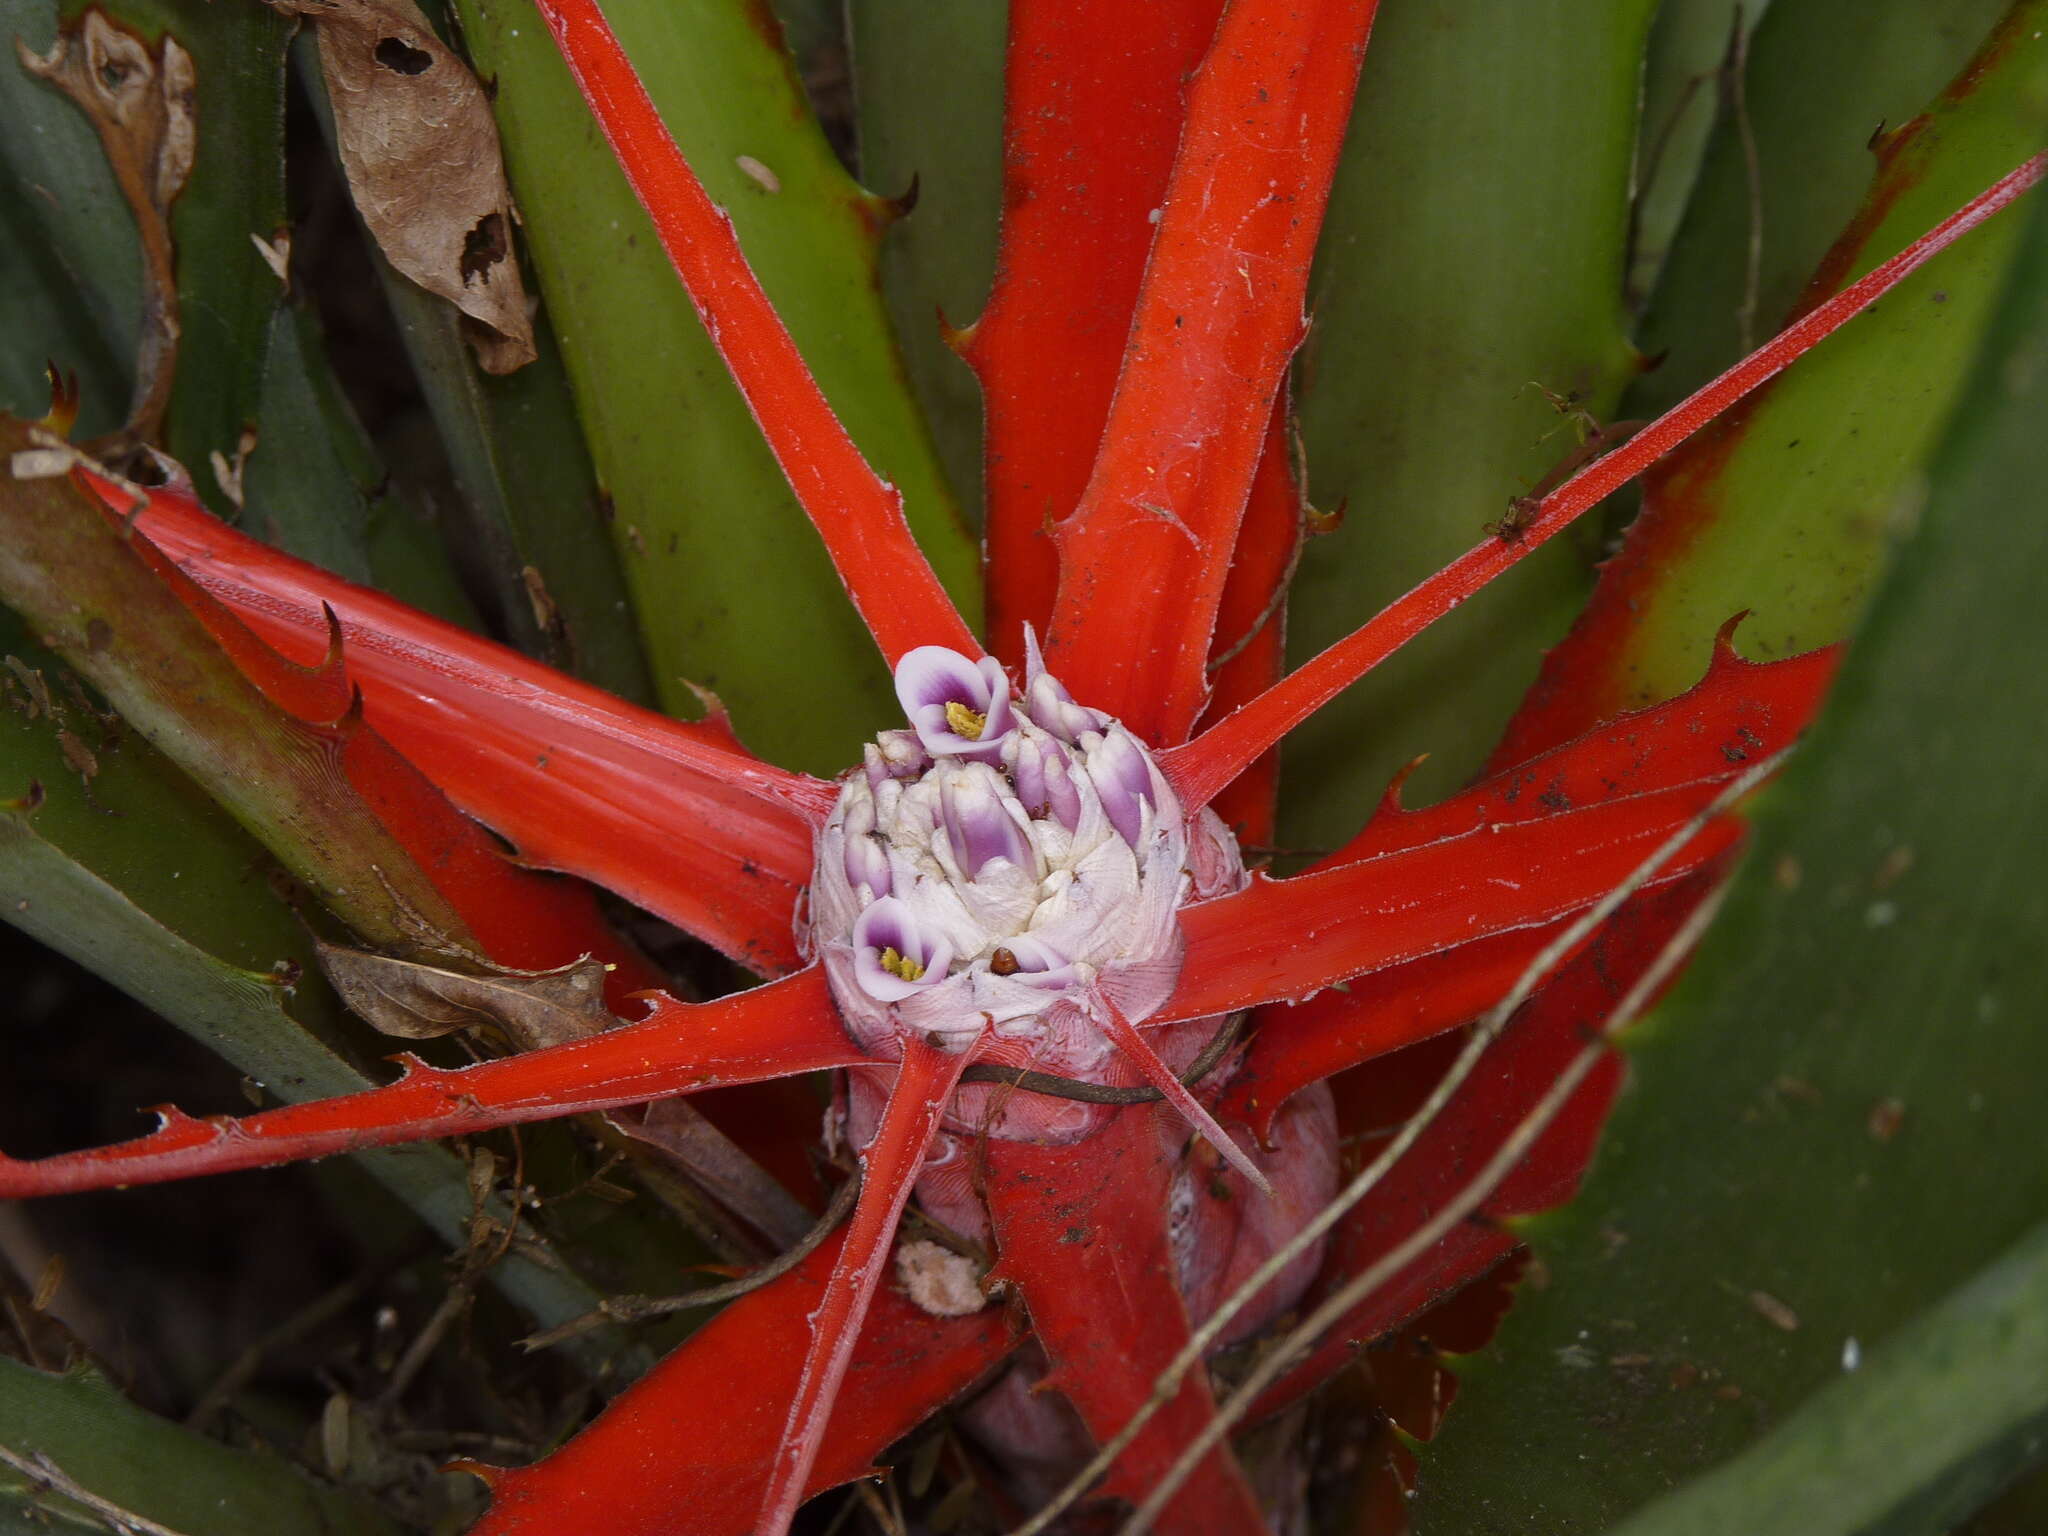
[142, 104]
[541, 1008]
[422, 1002]
[421, 152]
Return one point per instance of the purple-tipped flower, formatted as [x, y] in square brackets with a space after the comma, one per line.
[980, 823]
[959, 708]
[1034, 962]
[1047, 701]
[866, 860]
[1043, 771]
[1116, 766]
[893, 956]
[894, 755]
[1006, 891]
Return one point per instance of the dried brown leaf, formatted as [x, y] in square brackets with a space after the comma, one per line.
[540, 1008]
[421, 152]
[143, 104]
[423, 1002]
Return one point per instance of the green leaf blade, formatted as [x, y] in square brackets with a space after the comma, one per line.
[1838, 1108]
[1918, 1437]
[153, 1468]
[1811, 126]
[730, 586]
[1472, 254]
[931, 112]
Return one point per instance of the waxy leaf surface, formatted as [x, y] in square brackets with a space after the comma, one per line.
[1855, 1042]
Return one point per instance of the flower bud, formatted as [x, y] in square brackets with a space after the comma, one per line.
[987, 879]
[894, 755]
[1043, 771]
[1033, 962]
[982, 820]
[865, 854]
[1122, 775]
[1047, 702]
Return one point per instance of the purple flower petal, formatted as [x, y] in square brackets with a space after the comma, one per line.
[1043, 771]
[1034, 962]
[932, 674]
[1047, 702]
[866, 860]
[959, 708]
[978, 823]
[892, 956]
[894, 755]
[1116, 766]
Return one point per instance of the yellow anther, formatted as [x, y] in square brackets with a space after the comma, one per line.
[901, 965]
[964, 722]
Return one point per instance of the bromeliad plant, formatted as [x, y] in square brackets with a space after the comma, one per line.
[1063, 1018]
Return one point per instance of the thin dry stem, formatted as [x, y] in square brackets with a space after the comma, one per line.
[41, 1469]
[636, 1309]
[1483, 1036]
[1736, 76]
[321, 1310]
[1468, 1200]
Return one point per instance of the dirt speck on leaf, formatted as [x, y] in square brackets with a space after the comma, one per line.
[1774, 1311]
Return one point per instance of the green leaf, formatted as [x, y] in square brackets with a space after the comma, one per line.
[241, 1015]
[1682, 88]
[1823, 75]
[153, 1468]
[226, 292]
[212, 894]
[1938, 1419]
[306, 486]
[1783, 505]
[528, 510]
[315, 486]
[198, 934]
[1837, 1111]
[531, 509]
[81, 248]
[70, 270]
[1474, 252]
[70, 573]
[2022, 1510]
[931, 113]
[730, 586]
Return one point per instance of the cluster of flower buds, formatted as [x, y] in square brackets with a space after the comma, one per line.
[1003, 866]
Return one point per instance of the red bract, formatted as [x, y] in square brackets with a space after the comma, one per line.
[1142, 517]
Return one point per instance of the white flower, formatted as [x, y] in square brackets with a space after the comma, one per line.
[1008, 867]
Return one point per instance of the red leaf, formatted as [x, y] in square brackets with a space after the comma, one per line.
[785, 1027]
[1203, 766]
[685, 1450]
[1082, 1232]
[1651, 764]
[1143, 558]
[858, 515]
[1516, 1071]
[1088, 140]
[918, 1098]
[1251, 623]
[578, 780]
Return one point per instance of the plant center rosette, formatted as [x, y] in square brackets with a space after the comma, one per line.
[1004, 879]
